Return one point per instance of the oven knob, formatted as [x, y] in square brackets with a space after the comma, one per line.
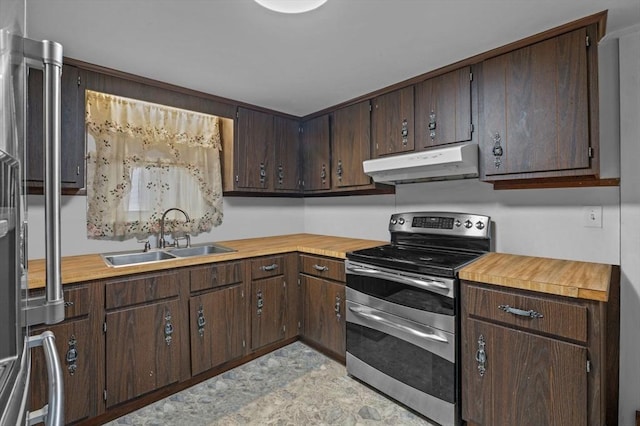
[479, 225]
[401, 221]
[468, 224]
[394, 221]
[458, 223]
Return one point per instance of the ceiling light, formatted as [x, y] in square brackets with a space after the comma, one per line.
[291, 6]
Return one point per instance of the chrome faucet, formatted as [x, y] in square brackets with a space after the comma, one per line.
[162, 243]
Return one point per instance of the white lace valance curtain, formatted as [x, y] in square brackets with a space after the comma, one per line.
[148, 158]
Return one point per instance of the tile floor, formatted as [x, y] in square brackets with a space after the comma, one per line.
[294, 385]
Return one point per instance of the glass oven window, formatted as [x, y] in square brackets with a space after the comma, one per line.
[405, 362]
[402, 294]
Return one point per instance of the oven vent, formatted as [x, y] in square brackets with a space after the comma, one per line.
[458, 161]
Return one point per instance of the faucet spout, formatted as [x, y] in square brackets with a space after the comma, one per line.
[162, 243]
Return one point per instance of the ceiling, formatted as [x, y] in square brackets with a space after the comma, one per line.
[297, 64]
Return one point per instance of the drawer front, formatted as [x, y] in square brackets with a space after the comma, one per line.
[322, 267]
[134, 290]
[541, 313]
[217, 275]
[267, 267]
[76, 302]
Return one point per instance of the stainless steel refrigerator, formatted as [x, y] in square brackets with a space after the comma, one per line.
[18, 310]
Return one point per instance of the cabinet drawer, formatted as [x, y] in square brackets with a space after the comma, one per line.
[217, 275]
[76, 302]
[267, 267]
[559, 318]
[134, 290]
[322, 267]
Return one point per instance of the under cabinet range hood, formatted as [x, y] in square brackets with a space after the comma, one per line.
[458, 161]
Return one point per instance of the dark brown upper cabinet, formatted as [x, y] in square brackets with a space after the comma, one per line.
[267, 152]
[316, 154]
[350, 145]
[72, 133]
[288, 161]
[443, 109]
[392, 122]
[254, 150]
[538, 106]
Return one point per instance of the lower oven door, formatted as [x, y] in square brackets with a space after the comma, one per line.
[411, 362]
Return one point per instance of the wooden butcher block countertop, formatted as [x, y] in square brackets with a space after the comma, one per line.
[91, 266]
[552, 276]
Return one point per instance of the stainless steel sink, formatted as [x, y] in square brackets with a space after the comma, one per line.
[126, 259]
[199, 250]
[136, 258]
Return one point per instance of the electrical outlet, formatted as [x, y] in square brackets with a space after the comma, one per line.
[592, 216]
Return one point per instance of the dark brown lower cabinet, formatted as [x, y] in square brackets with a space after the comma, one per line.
[217, 327]
[530, 358]
[146, 339]
[78, 343]
[268, 311]
[323, 313]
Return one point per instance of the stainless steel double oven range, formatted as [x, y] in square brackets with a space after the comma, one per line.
[402, 309]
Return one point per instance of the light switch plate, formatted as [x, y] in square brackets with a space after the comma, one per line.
[592, 216]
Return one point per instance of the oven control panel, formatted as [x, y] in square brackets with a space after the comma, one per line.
[445, 223]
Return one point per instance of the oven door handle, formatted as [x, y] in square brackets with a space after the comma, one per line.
[403, 279]
[379, 317]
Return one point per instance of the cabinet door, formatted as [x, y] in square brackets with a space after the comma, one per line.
[254, 168]
[217, 328]
[324, 316]
[535, 109]
[351, 145]
[71, 130]
[268, 311]
[77, 352]
[316, 155]
[287, 155]
[392, 122]
[143, 348]
[443, 109]
[529, 379]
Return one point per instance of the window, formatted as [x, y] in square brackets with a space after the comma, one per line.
[144, 158]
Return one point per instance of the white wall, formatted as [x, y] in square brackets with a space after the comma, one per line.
[541, 222]
[630, 224]
[243, 218]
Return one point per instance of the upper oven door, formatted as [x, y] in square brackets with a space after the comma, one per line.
[427, 300]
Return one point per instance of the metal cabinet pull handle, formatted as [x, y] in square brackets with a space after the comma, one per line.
[259, 302]
[263, 174]
[201, 321]
[323, 173]
[481, 356]
[320, 268]
[497, 150]
[72, 356]
[271, 267]
[337, 307]
[339, 170]
[405, 132]
[168, 328]
[520, 312]
[280, 174]
[432, 125]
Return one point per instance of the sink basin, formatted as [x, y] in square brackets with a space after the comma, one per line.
[199, 250]
[126, 259]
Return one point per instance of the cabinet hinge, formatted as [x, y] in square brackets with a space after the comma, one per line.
[470, 76]
[298, 282]
[471, 128]
[237, 114]
[300, 129]
[244, 343]
[104, 327]
[284, 328]
[242, 294]
[284, 284]
[587, 41]
[78, 170]
[237, 178]
[299, 325]
[104, 394]
[590, 152]
[79, 80]
[588, 366]
[370, 107]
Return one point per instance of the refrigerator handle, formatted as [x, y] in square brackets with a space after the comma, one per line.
[48, 56]
[52, 414]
